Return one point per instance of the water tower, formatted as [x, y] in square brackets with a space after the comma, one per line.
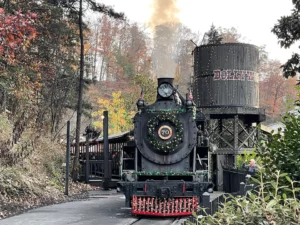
[226, 90]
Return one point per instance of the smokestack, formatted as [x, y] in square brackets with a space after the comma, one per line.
[164, 80]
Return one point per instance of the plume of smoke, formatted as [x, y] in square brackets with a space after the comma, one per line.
[164, 11]
[163, 22]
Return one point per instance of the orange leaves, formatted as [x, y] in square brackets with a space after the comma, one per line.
[37, 86]
[74, 67]
[275, 90]
[87, 47]
[32, 35]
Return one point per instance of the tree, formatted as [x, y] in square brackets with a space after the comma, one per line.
[142, 86]
[45, 78]
[17, 32]
[120, 56]
[287, 31]
[51, 65]
[103, 9]
[120, 119]
[230, 35]
[213, 36]
[119, 50]
[263, 62]
[281, 151]
[275, 90]
[184, 57]
[80, 94]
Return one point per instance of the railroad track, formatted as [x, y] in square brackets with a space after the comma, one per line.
[157, 221]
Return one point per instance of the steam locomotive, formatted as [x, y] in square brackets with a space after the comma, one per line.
[173, 138]
[165, 181]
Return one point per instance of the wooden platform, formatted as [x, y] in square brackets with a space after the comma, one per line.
[99, 182]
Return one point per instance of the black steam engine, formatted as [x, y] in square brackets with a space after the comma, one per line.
[174, 161]
[164, 181]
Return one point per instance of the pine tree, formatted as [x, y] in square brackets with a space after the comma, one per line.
[213, 36]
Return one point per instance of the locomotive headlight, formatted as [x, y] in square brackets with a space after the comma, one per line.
[165, 90]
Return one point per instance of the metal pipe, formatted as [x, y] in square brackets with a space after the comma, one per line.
[136, 160]
[194, 160]
[67, 159]
[209, 166]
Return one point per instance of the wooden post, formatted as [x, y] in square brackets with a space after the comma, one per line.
[87, 159]
[236, 133]
[206, 202]
[242, 188]
[106, 151]
[121, 162]
[67, 159]
[247, 178]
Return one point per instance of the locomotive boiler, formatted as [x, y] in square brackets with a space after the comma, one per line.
[165, 181]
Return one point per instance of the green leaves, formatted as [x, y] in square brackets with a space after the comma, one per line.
[271, 204]
[284, 196]
[283, 175]
[282, 153]
[287, 31]
[255, 180]
[258, 207]
[273, 183]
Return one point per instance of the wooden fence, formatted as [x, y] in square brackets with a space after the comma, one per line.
[232, 177]
[96, 159]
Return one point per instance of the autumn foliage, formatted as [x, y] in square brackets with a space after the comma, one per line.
[276, 92]
[16, 31]
[119, 117]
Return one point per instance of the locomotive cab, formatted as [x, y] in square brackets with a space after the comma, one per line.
[169, 138]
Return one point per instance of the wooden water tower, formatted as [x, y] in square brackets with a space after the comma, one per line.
[226, 90]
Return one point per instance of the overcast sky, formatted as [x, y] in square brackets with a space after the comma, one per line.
[253, 19]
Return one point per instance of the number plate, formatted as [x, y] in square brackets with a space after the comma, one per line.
[165, 132]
